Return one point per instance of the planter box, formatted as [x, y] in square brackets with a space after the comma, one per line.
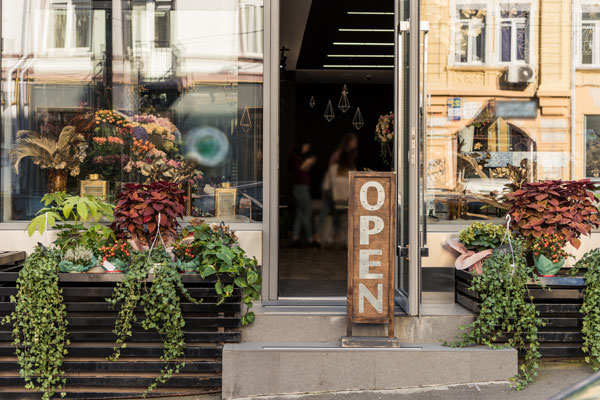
[91, 320]
[559, 307]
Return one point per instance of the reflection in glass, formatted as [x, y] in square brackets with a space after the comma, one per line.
[136, 85]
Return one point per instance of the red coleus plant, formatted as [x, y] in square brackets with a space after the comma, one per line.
[141, 207]
[555, 207]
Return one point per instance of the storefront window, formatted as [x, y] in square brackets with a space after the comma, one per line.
[107, 93]
[489, 130]
[592, 146]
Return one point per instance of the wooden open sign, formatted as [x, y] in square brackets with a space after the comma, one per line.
[371, 237]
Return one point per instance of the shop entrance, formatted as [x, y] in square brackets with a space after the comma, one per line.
[341, 66]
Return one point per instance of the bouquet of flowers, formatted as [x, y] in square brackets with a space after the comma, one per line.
[384, 135]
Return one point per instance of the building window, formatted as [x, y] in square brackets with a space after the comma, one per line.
[470, 34]
[162, 28]
[589, 35]
[251, 28]
[514, 33]
[69, 26]
[592, 146]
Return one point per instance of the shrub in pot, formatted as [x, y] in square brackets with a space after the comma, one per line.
[143, 211]
[555, 207]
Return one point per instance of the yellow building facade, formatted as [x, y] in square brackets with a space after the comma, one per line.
[512, 91]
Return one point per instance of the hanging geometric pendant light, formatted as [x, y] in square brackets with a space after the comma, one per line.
[246, 122]
[344, 103]
[329, 114]
[358, 120]
[312, 102]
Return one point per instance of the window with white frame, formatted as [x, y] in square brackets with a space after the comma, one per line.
[589, 35]
[514, 33]
[470, 33]
[251, 28]
[69, 26]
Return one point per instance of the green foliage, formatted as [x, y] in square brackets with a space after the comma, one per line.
[505, 310]
[69, 214]
[39, 324]
[218, 255]
[479, 236]
[590, 308]
[162, 308]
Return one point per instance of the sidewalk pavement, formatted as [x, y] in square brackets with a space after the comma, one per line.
[553, 378]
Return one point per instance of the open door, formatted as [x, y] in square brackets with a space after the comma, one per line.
[409, 160]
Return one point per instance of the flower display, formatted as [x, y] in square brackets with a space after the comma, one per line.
[551, 246]
[384, 134]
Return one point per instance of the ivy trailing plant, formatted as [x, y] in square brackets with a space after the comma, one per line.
[506, 312]
[553, 207]
[161, 302]
[590, 263]
[217, 254]
[40, 324]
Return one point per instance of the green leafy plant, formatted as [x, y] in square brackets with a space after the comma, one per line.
[565, 207]
[162, 308]
[590, 263]
[69, 215]
[40, 324]
[479, 236]
[143, 209]
[506, 312]
[218, 255]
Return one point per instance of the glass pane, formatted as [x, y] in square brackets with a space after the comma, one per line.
[161, 29]
[462, 40]
[57, 29]
[82, 28]
[587, 45]
[523, 42]
[478, 32]
[150, 102]
[505, 37]
[592, 146]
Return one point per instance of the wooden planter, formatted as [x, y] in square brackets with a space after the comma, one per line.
[91, 320]
[558, 307]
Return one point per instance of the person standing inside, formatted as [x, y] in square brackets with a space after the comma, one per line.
[299, 163]
[348, 147]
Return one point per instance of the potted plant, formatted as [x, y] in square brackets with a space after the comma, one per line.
[555, 207]
[475, 243]
[548, 254]
[144, 212]
[59, 156]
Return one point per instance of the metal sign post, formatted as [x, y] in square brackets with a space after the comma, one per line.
[371, 227]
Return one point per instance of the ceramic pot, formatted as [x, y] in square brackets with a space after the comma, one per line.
[546, 267]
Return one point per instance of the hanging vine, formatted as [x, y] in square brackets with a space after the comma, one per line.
[506, 311]
[590, 308]
[161, 302]
[40, 324]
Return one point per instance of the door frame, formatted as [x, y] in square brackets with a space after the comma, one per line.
[270, 240]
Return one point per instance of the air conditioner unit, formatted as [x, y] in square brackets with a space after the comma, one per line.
[519, 74]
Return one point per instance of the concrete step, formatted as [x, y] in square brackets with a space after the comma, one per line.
[437, 323]
[268, 368]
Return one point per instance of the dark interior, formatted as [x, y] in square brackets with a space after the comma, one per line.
[324, 46]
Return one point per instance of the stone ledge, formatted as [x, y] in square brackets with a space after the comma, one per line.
[251, 369]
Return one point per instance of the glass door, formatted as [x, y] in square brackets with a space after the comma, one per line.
[409, 103]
